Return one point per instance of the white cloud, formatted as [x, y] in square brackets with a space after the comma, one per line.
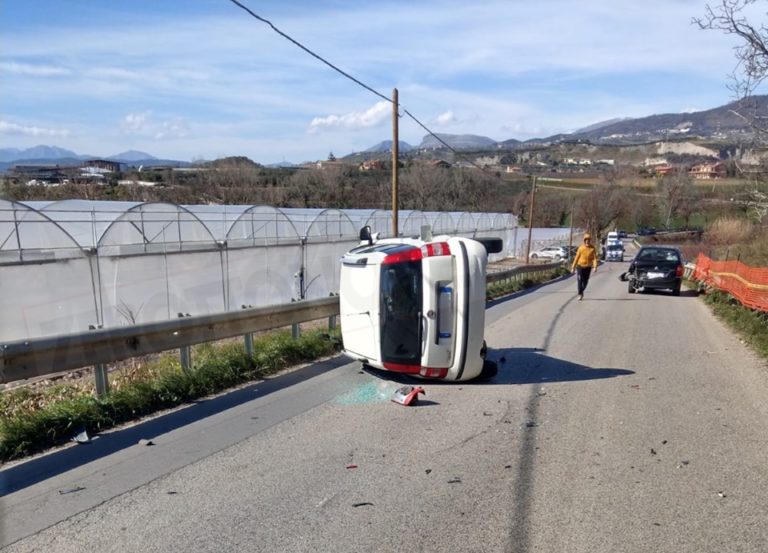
[175, 128]
[357, 120]
[146, 124]
[33, 70]
[446, 118]
[14, 129]
[136, 123]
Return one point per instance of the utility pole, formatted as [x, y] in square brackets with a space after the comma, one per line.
[570, 238]
[530, 221]
[395, 155]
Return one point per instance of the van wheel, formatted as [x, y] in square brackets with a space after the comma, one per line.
[492, 245]
[490, 369]
[631, 287]
[484, 350]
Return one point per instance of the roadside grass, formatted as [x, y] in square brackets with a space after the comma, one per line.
[751, 325]
[35, 419]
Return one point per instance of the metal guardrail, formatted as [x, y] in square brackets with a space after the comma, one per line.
[521, 270]
[44, 356]
[51, 355]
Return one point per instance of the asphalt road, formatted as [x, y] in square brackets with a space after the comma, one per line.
[621, 423]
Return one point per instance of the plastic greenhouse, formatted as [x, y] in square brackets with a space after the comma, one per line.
[71, 265]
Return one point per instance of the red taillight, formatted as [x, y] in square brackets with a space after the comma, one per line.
[435, 249]
[400, 368]
[413, 254]
[680, 271]
[431, 372]
[426, 372]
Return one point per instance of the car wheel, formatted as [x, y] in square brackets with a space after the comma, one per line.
[631, 287]
[490, 369]
[534, 256]
[484, 350]
[676, 290]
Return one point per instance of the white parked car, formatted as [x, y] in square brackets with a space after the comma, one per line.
[417, 305]
[550, 252]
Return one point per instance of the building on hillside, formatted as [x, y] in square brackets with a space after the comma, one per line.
[42, 174]
[665, 170]
[707, 171]
[104, 165]
[329, 164]
[372, 165]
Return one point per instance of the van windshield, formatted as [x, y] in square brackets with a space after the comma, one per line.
[401, 300]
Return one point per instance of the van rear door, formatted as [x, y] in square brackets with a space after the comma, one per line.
[440, 309]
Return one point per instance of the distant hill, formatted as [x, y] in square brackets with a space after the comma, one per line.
[386, 146]
[38, 152]
[132, 155]
[724, 122]
[600, 125]
[53, 155]
[457, 141]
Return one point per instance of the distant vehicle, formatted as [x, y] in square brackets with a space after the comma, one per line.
[623, 234]
[550, 252]
[614, 252]
[646, 231]
[417, 305]
[655, 268]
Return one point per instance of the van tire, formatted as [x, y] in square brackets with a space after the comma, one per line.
[492, 245]
[489, 370]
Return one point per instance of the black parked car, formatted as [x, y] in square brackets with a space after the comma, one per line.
[655, 268]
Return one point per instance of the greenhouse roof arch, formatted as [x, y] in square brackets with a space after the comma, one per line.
[321, 224]
[85, 220]
[467, 223]
[412, 223]
[380, 220]
[218, 218]
[503, 221]
[483, 221]
[441, 222]
[262, 225]
[156, 227]
[27, 234]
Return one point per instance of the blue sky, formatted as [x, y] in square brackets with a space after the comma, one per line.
[202, 79]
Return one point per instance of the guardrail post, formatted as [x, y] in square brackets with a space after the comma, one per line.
[332, 318]
[249, 345]
[248, 338]
[185, 352]
[100, 376]
[102, 379]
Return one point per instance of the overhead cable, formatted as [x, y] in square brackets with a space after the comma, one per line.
[357, 81]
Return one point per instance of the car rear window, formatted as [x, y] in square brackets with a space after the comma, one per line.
[659, 254]
[401, 301]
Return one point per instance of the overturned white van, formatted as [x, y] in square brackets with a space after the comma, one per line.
[417, 305]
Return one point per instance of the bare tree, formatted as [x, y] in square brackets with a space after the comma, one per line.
[678, 197]
[751, 55]
[598, 208]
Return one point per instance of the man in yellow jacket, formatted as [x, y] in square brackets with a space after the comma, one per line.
[583, 263]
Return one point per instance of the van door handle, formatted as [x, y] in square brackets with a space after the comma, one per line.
[422, 325]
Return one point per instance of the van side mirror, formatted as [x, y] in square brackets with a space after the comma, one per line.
[365, 234]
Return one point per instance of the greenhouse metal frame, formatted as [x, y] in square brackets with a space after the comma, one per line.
[70, 265]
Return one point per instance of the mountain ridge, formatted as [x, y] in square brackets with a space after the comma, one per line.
[726, 122]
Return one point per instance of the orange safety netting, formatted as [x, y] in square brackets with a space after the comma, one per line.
[748, 284]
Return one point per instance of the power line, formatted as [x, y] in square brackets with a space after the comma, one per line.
[356, 81]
